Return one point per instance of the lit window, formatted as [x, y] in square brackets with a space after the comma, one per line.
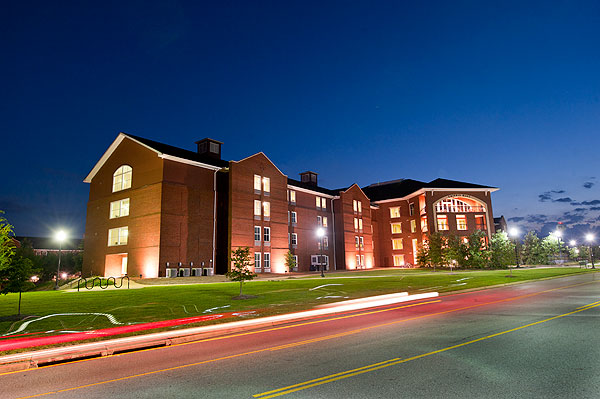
[266, 185]
[319, 220]
[323, 203]
[324, 221]
[256, 233]
[294, 239]
[355, 223]
[413, 226]
[294, 217]
[296, 261]
[396, 228]
[362, 242]
[122, 178]
[267, 259]
[257, 260]
[267, 234]
[360, 224]
[257, 183]
[119, 208]
[395, 212]
[362, 260]
[424, 224]
[292, 196]
[357, 260]
[266, 209]
[397, 243]
[355, 205]
[318, 201]
[118, 236]
[398, 260]
[480, 222]
[256, 207]
[411, 209]
[442, 222]
[359, 207]
[461, 222]
[325, 242]
[356, 241]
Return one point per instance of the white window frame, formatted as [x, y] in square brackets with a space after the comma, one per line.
[119, 209]
[395, 212]
[359, 206]
[323, 203]
[257, 260]
[360, 224]
[324, 221]
[266, 234]
[398, 260]
[325, 242]
[356, 242]
[257, 183]
[257, 230]
[318, 202]
[257, 208]
[266, 185]
[122, 178]
[267, 260]
[294, 240]
[397, 244]
[266, 205]
[354, 206]
[398, 224]
[292, 196]
[362, 242]
[319, 221]
[458, 224]
[413, 226]
[294, 217]
[121, 238]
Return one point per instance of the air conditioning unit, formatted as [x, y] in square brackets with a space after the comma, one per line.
[171, 272]
[197, 271]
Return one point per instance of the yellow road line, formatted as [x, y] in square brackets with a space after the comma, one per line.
[392, 362]
[280, 328]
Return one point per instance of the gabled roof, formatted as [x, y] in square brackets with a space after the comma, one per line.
[404, 187]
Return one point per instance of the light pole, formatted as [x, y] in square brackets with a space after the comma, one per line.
[590, 238]
[321, 234]
[514, 233]
[60, 236]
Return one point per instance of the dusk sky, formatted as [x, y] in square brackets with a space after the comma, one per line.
[503, 94]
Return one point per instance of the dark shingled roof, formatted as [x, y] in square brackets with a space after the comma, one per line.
[445, 183]
[180, 152]
[402, 188]
[309, 186]
[50, 243]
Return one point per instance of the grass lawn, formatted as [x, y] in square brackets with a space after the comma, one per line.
[154, 303]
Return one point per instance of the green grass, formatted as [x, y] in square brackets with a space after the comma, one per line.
[154, 303]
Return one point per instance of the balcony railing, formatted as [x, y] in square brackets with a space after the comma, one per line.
[459, 208]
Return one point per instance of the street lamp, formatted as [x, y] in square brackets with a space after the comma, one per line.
[590, 238]
[321, 234]
[558, 235]
[572, 243]
[514, 233]
[60, 236]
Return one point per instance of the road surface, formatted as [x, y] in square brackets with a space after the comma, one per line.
[532, 340]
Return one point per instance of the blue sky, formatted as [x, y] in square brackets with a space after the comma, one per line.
[504, 94]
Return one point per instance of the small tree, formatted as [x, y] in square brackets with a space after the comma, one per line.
[240, 269]
[7, 247]
[478, 253]
[423, 259]
[290, 261]
[436, 245]
[502, 250]
[16, 278]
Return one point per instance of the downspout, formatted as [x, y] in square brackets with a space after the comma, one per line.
[214, 237]
[333, 234]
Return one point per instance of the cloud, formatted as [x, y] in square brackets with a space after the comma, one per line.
[547, 196]
[588, 184]
[592, 202]
[564, 199]
[593, 208]
[516, 219]
[544, 197]
[536, 218]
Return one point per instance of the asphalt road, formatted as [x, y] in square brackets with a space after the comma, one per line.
[533, 340]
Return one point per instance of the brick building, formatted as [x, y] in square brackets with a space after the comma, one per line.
[156, 210]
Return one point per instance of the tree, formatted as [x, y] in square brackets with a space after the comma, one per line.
[532, 253]
[423, 259]
[436, 245]
[455, 252]
[478, 254]
[16, 278]
[240, 270]
[290, 261]
[7, 246]
[502, 250]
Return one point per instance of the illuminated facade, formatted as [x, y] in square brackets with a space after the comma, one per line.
[155, 210]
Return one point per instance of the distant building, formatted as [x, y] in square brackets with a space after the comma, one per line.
[43, 246]
[500, 224]
[156, 210]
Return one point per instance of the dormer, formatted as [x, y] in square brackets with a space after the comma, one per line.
[309, 177]
[209, 147]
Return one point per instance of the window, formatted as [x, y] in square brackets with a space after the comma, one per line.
[480, 222]
[355, 224]
[397, 243]
[318, 201]
[266, 209]
[442, 222]
[256, 233]
[411, 209]
[257, 260]
[118, 236]
[424, 224]
[267, 234]
[122, 178]
[323, 203]
[362, 260]
[292, 196]
[360, 224]
[257, 183]
[396, 228]
[266, 185]
[413, 226]
[119, 208]
[267, 260]
[296, 262]
[324, 221]
[362, 242]
[214, 148]
[294, 217]
[256, 207]
[355, 205]
[319, 221]
[359, 207]
[461, 222]
[356, 241]
[325, 242]
[395, 212]
[398, 260]
[357, 260]
[294, 239]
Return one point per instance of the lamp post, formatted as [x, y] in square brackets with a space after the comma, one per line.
[321, 234]
[590, 238]
[60, 236]
[514, 233]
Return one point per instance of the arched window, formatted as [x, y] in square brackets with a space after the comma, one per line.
[122, 178]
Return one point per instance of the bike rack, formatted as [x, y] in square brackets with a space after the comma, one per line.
[93, 281]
